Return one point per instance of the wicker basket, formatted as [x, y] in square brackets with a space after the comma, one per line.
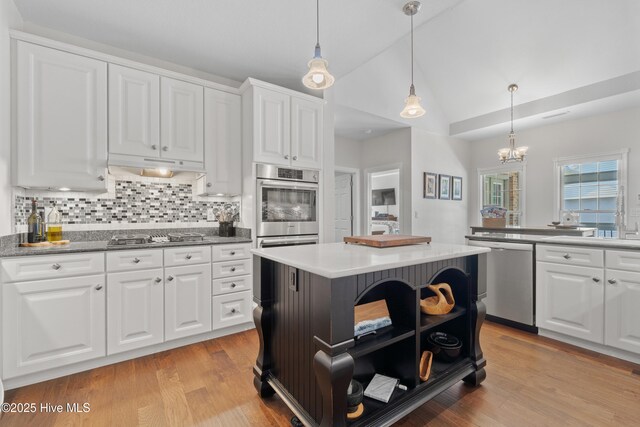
[494, 222]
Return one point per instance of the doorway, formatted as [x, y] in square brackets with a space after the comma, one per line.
[383, 200]
[346, 205]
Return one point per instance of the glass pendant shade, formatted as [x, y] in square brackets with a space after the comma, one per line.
[318, 76]
[412, 107]
[512, 153]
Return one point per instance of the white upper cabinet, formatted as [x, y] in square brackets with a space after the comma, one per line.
[282, 127]
[306, 133]
[271, 122]
[181, 120]
[61, 119]
[134, 112]
[222, 144]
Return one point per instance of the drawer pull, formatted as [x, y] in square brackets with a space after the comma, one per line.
[136, 260]
[101, 178]
[188, 256]
[154, 147]
[233, 311]
[233, 285]
[233, 269]
[98, 287]
[56, 266]
[612, 281]
[596, 279]
[232, 252]
[158, 280]
[170, 278]
[566, 256]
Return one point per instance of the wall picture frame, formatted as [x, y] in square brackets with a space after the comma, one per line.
[444, 184]
[456, 188]
[430, 185]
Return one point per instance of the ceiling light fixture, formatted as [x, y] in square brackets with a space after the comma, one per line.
[511, 153]
[318, 76]
[412, 107]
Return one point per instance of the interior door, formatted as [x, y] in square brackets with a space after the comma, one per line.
[344, 206]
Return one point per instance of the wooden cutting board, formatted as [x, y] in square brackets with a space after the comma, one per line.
[387, 240]
[44, 244]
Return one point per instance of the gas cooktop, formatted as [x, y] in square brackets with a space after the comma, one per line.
[141, 239]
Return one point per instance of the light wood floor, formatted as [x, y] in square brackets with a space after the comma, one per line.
[531, 381]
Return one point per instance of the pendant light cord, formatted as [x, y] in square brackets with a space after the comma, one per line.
[511, 111]
[318, 22]
[412, 49]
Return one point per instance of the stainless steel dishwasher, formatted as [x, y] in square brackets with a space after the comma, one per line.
[510, 283]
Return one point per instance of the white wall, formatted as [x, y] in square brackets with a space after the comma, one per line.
[389, 151]
[347, 152]
[591, 135]
[9, 18]
[444, 220]
[328, 218]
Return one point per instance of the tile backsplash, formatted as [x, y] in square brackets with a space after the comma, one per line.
[130, 202]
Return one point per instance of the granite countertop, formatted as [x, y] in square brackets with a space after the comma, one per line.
[333, 260]
[98, 246]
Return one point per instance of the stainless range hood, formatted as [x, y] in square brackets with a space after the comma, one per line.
[155, 163]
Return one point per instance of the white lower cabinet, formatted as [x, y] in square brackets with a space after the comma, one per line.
[187, 308]
[600, 305]
[622, 310]
[231, 309]
[52, 323]
[135, 310]
[570, 300]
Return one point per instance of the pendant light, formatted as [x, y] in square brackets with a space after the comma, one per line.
[412, 107]
[318, 76]
[511, 153]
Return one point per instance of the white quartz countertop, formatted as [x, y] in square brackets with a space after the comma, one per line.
[333, 260]
[602, 242]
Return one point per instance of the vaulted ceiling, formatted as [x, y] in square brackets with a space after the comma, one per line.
[467, 51]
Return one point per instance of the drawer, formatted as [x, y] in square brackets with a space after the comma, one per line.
[571, 255]
[231, 268]
[229, 252]
[187, 255]
[623, 260]
[134, 260]
[51, 267]
[231, 309]
[231, 284]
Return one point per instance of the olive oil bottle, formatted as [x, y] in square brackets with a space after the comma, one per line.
[54, 225]
[35, 224]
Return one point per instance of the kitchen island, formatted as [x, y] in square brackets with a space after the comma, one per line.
[308, 355]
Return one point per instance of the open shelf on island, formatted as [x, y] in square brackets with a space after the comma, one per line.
[384, 337]
[428, 321]
[372, 407]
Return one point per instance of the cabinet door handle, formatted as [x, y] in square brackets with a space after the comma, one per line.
[158, 280]
[98, 287]
[154, 147]
[233, 285]
[209, 184]
[295, 157]
[596, 279]
[233, 310]
[188, 256]
[56, 266]
[233, 269]
[232, 253]
[612, 281]
[566, 256]
[101, 178]
[136, 260]
[170, 278]
[286, 156]
[165, 148]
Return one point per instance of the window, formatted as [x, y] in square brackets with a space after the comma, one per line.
[589, 186]
[504, 187]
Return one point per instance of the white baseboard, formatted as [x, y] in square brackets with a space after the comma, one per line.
[598, 348]
[49, 374]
